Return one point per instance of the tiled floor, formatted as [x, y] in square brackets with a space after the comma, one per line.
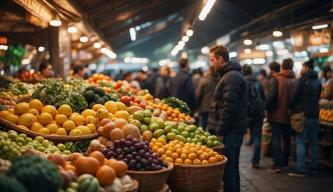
[253, 180]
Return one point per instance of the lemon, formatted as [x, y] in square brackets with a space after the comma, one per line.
[92, 127]
[12, 118]
[61, 131]
[79, 120]
[60, 118]
[21, 108]
[91, 119]
[53, 127]
[84, 130]
[27, 119]
[69, 125]
[44, 131]
[50, 109]
[36, 104]
[88, 112]
[4, 114]
[75, 132]
[65, 109]
[45, 118]
[36, 126]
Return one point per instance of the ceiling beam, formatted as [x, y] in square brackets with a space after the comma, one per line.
[112, 6]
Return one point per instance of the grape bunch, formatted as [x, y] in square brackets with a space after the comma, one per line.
[135, 153]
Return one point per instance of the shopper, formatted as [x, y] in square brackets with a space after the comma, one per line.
[153, 75]
[281, 89]
[306, 99]
[182, 86]
[196, 76]
[256, 112]
[144, 81]
[230, 109]
[79, 71]
[162, 86]
[262, 77]
[328, 83]
[46, 70]
[204, 95]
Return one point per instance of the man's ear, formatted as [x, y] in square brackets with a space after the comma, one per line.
[220, 59]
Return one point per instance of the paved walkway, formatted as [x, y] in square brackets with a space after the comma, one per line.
[253, 180]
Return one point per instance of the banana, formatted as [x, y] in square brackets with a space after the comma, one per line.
[84, 177]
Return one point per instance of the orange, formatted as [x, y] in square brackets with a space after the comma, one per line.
[21, 108]
[53, 127]
[45, 118]
[69, 125]
[192, 156]
[205, 162]
[44, 131]
[50, 109]
[212, 160]
[79, 120]
[188, 161]
[87, 165]
[168, 153]
[4, 114]
[99, 156]
[90, 119]
[61, 131]
[97, 106]
[160, 151]
[219, 157]
[35, 112]
[183, 156]
[36, 104]
[179, 160]
[174, 155]
[197, 162]
[36, 126]
[60, 118]
[88, 112]
[75, 132]
[12, 118]
[92, 127]
[65, 109]
[169, 159]
[27, 119]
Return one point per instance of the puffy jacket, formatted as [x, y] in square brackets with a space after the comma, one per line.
[205, 92]
[229, 105]
[306, 95]
[255, 84]
[182, 88]
[277, 105]
[162, 87]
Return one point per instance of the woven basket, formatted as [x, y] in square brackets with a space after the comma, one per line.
[134, 187]
[151, 181]
[219, 148]
[196, 178]
[54, 138]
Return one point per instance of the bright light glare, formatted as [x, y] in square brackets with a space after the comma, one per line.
[206, 9]
[205, 50]
[97, 45]
[277, 33]
[72, 29]
[322, 26]
[247, 51]
[55, 23]
[132, 34]
[185, 38]
[109, 53]
[181, 43]
[247, 42]
[269, 53]
[189, 32]
[262, 47]
[259, 61]
[323, 50]
[41, 49]
[232, 54]
[84, 39]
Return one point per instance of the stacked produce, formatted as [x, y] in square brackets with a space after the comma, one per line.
[15, 93]
[137, 154]
[185, 153]
[97, 78]
[326, 111]
[96, 95]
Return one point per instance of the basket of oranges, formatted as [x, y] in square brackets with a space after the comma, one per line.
[58, 125]
[195, 167]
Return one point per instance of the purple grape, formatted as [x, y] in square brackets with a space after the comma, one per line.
[125, 160]
[105, 151]
[146, 148]
[142, 153]
[129, 138]
[144, 162]
[135, 140]
[138, 159]
[129, 156]
[119, 151]
[155, 155]
[137, 146]
[132, 163]
[132, 149]
[138, 166]
[135, 154]
[158, 167]
[150, 160]
[110, 153]
[146, 143]
[155, 161]
[128, 144]
[122, 141]
[126, 150]
[121, 157]
[116, 143]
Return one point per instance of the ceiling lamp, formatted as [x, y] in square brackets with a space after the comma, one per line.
[72, 29]
[277, 33]
[41, 49]
[181, 43]
[185, 38]
[55, 22]
[205, 50]
[206, 9]
[321, 26]
[132, 34]
[247, 42]
[247, 51]
[189, 32]
[84, 39]
[97, 45]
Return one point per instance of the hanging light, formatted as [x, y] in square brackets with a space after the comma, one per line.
[185, 38]
[55, 22]
[84, 39]
[189, 32]
[41, 49]
[321, 26]
[205, 50]
[277, 33]
[206, 9]
[247, 42]
[97, 45]
[72, 29]
[181, 43]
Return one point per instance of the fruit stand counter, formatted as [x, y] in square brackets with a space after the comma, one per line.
[325, 142]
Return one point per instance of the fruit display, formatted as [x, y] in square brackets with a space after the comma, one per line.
[96, 95]
[47, 119]
[166, 112]
[27, 168]
[13, 145]
[177, 104]
[185, 153]
[97, 78]
[137, 154]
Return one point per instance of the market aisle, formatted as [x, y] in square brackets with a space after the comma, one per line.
[253, 180]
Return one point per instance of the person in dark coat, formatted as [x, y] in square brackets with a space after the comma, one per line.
[204, 95]
[182, 86]
[262, 77]
[144, 81]
[277, 104]
[256, 112]
[305, 99]
[229, 107]
[163, 83]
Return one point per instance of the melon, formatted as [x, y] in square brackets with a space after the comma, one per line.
[132, 130]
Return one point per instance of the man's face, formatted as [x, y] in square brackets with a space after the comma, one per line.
[48, 72]
[216, 61]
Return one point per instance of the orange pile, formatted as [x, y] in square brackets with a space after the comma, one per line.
[172, 114]
[185, 153]
[326, 115]
[96, 78]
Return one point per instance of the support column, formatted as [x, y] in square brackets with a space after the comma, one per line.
[54, 51]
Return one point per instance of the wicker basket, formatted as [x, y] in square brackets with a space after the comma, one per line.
[134, 187]
[151, 181]
[196, 178]
[219, 148]
[54, 138]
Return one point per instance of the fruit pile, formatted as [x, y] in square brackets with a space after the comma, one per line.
[95, 95]
[137, 154]
[326, 115]
[49, 120]
[185, 153]
[96, 78]
[13, 145]
[169, 113]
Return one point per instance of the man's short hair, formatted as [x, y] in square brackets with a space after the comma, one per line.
[247, 69]
[220, 50]
[183, 63]
[274, 66]
[309, 64]
[287, 64]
